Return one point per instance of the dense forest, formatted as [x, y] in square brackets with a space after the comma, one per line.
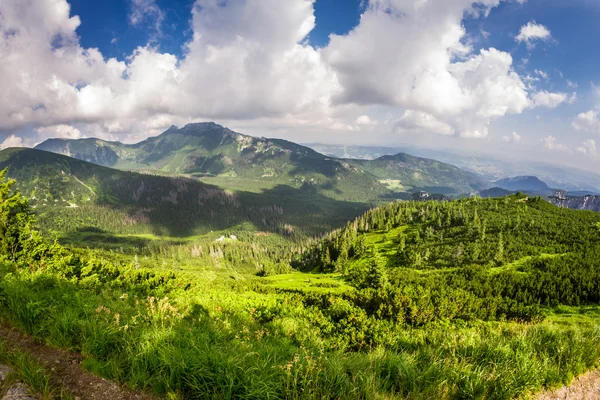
[473, 298]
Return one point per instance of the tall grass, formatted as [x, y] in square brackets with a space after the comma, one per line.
[208, 342]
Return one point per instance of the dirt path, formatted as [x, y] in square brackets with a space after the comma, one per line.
[66, 371]
[585, 387]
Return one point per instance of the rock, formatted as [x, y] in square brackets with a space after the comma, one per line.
[4, 371]
[18, 392]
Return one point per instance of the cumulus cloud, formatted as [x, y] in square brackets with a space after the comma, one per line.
[59, 131]
[363, 120]
[587, 121]
[11, 141]
[420, 122]
[250, 60]
[552, 100]
[532, 33]
[551, 143]
[435, 75]
[588, 148]
[514, 137]
[246, 60]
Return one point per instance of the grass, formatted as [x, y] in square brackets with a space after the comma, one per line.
[393, 184]
[518, 264]
[256, 338]
[30, 372]
[309, 283]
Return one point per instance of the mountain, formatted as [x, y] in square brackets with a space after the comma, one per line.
[415, 173]
[484, 165]
[221, 156]
[522, 183]
[72, 196]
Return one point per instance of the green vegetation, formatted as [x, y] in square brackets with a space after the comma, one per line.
[72, 197]
[240, 162]
[487, 299]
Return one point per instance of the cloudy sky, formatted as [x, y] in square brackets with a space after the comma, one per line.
[509, 77]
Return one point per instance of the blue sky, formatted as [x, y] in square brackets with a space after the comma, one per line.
[512, 77]
[105, 25]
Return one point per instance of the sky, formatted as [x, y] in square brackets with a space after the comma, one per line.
[508, 78]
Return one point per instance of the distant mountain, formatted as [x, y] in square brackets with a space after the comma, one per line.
[218, 155]
[522, 183]
[418, 173]
[71, 195]
[484, 165]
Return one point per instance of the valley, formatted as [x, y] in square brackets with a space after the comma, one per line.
[204, 279]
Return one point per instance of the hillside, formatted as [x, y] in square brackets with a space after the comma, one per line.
[468, 299]
[71, 195]
[218, 155]
[415, 173]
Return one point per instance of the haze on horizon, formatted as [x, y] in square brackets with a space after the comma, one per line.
[518, 79]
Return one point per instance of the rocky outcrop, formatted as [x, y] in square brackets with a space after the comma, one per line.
[591, 203]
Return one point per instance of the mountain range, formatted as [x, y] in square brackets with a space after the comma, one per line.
[204, 177]
[215, 154]
[486, 166]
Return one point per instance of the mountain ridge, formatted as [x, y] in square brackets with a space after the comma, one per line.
[210, 151]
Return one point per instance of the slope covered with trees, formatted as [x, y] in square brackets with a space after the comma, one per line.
[73, 196]
[470, 259]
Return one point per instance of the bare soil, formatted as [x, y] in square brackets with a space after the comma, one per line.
[66, 371]
[585, 387]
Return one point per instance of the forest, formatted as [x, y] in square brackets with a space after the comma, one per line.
[465, 299]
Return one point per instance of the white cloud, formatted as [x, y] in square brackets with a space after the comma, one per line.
[420, 74]
[144, 10]
[533, 32]
[363, 120]
[11, 141]
[587, 121]
[249, 60]
[420, 122]
[59, 131]
[552, 100]
[572, 84]
[588, 148]
[514, 137]
[551, 143]
[541, 73]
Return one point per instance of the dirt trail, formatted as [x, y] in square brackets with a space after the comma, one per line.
[585, 387]
[66, 371]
